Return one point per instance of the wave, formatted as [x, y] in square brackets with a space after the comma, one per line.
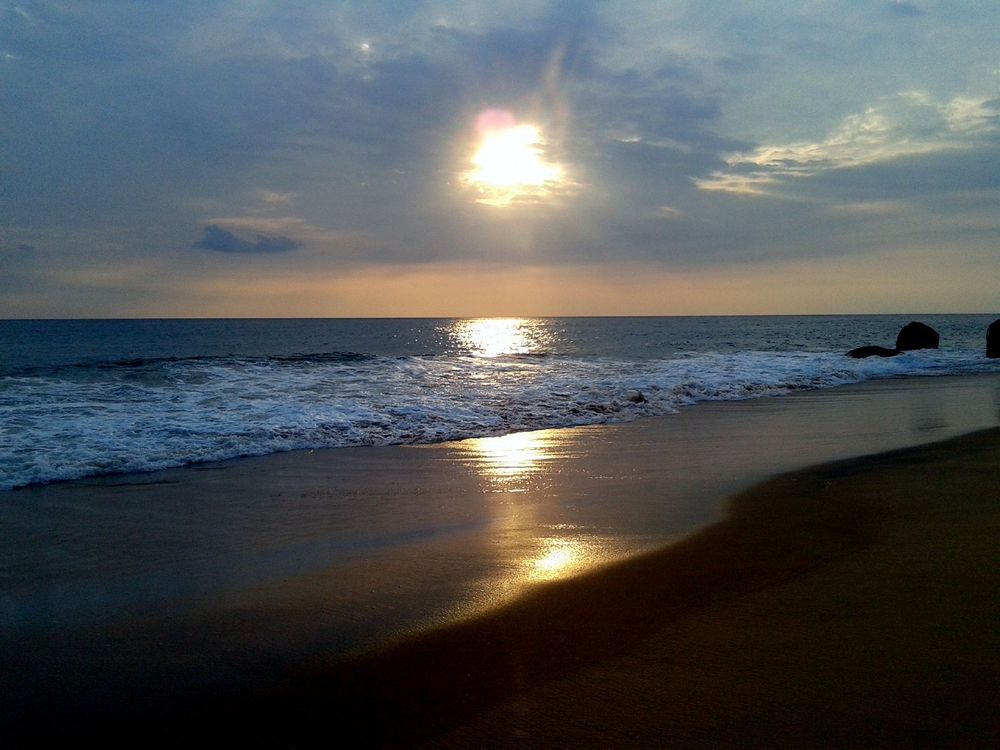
[149, 363]
[147, 414]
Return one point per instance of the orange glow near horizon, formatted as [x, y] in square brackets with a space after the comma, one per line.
[479, 290]
[509, 164]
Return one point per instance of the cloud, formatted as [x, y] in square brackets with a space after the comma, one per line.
[259, 234]
[905, 9]
[222, 240]
[271, 198]
[871, 208]
[909, 124]
[12, 252]
[331, 137]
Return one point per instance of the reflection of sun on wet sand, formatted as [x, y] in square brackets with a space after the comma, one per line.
[515, 464]
[852, 605]
[509, 462]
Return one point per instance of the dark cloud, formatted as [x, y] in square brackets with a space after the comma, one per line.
[514, 61]
[921, 175]
[902, 8]
[19, 250]
[223, 241]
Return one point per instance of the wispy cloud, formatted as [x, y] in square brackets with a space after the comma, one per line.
[870, 208]
[908, 124]
[271, 198]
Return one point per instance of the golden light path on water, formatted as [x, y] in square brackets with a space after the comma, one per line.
[514, 467]
[533, 528]
[509, 459]
[510, 164]
[492, 337]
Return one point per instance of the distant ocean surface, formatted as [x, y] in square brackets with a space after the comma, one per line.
[87, 397]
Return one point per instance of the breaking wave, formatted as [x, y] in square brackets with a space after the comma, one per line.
[134, 415]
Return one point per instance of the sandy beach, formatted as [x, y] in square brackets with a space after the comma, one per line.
[521, 593]
[850, 605]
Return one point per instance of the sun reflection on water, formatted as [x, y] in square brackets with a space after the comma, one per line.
[508, 460]
[517, 467]
[492, 337]
[559, 556]
[538, 529]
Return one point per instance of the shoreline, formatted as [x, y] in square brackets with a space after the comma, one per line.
[261, 620]
[512, 511]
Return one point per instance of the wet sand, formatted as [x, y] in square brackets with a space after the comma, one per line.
[851, 605]
[737, 635]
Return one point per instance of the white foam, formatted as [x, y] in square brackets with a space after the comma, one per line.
[79, 422]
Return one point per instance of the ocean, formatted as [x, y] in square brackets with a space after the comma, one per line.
[169, 590]
[82, 398]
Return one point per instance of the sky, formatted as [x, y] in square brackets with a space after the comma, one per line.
[287, 158]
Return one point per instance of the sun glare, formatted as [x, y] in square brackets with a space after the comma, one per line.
[509, 164]
[559, 556]
[512, 157]
[492, 337]
[508, 461]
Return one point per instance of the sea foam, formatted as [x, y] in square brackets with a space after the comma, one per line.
[145, 414]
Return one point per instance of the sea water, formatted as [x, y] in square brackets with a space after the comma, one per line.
[91, 397]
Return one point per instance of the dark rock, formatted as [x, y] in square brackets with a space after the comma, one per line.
[917, 336]
[872, 351]
[993, 340]
[635, 397]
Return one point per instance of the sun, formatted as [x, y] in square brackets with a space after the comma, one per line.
[511, 157]
[509, 164]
